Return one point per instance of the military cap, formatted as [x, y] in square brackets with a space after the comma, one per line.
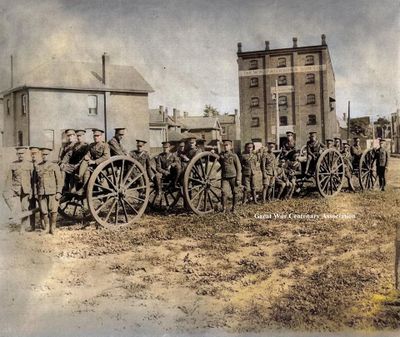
[69, 132]
[226, 141]
[34, 149]
[200, 141]
[381, 139]
[188, 139]
[165, 144]
[346, 144]
[337, 138]
[312, 133]
[329, 140]
[356, 138]
[181, 143]
[97, 132]
[288, 133]
[80, 132]
[120, 130]
[249, 143]
[45, 150]
[140, 142]
[21, 149]
[271, 143]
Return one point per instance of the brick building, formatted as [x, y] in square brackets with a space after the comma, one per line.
[395, 126]
[230, 128]
[58, 95]
[306, 92]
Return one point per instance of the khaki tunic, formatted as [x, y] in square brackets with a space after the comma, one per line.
[230, 165]
[143, 158]
[99, 152]
[116, 148]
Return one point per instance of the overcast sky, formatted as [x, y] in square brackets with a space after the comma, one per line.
[187, 49]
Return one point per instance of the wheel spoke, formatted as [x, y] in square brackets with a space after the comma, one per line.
[199, 202]
[102, 205]
[197, 180]
[116, 213]
[103, 187]
[108, 179]
[124, 209]
[198, 193]
[128, 174]
[132, 181]
[110, 211]
[129, 204]
[104, 195]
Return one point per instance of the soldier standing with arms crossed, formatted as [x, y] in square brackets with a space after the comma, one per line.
[230, 173]
[382, 163]
[49, 185]
[18, 190]
[249, 162]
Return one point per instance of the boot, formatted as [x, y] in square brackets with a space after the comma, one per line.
[269, 193]
[53, 221]
[223, 203]
[233, 203]
[254, 194]
[244, 200]
[45, 218]
[264, 195]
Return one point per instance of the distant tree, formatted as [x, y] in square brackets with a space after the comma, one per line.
[360, 127]
[382, 126]
[210, 111]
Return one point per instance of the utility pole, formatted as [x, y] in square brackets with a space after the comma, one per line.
[277, 113]
[12, 71]
[348, 120]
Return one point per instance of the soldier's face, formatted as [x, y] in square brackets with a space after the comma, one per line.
[227, 146]
[166, 149]
[271, 147]
[192, 144]
[181, 147]
[96, 138]
[289, 138]
[249, 147]
[71, 138]
[139, 147]
[35, 157]
[357, 142]
[45, 157]
[20, 156]
[313, 138]
[79, 138]
[119, 135]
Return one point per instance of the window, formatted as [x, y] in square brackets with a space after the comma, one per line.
[223, 130]
[20, 138]
[310, 78]
[312, 120]
[8, 107]
[255, 121]
[253, 64]
[283, 100]
[282, 80]
[311, 99]
[255, 101]
[254, 82]
[283, 109]
[283, 121]
[24, 104]
[92, 104]
[281, 62]
[309, 60]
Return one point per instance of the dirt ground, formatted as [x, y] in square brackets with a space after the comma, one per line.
[220, 275]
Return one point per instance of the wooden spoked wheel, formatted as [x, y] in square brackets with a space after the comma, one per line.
[202, 183]
[329, 172]
[168, 197]
[118, 191]
[74, 207]
[368, 175]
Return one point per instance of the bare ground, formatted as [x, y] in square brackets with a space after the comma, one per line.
[216, 275]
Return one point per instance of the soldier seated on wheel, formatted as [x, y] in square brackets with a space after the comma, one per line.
[347, 159]
[168, 167]
[143, 157]
[329, 143]
[281, 180]
[268, 171]
[289, 145]
[98, 152]
[63, 158]
[356, 152]
[337, 143]
[292, 170]
[115, 143]
[192, 148]
[314, 149]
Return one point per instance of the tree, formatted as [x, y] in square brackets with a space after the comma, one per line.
[360, 126]
[210, 111]
[382, 127]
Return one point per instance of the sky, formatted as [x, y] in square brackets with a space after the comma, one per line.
[186, 50]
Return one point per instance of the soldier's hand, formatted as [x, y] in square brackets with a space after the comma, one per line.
[58, 196]
[237, 183]
[87, 157]
[91, 162]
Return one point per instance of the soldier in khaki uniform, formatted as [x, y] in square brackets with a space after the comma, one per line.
[168, 166]
[356, 152]
[292, 170]
[67, 146]
[49, 186]
[115, 143]
[192, 148]
[281, 179]
[268, 170]
[337, 143]
[314, 149]
[289, 145]
[34, 201]
[230, 173]
[382, 164]
[348, 160]
[142, 156]
[329, 143]
[17, 189]
[248, 160]
[98, 152]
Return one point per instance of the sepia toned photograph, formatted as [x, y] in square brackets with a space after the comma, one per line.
[199, 168]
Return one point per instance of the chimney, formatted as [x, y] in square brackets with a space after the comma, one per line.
[345, 116]
[239, 46]
[266, 45]
[12, 70]
[105, 62]
[185, 114]
[323, 39]
[236, 112]
[295, 42]
[175, 114]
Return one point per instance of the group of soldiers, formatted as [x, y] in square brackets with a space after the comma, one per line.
[41, 183]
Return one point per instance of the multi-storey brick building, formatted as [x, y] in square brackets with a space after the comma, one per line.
[306, 92]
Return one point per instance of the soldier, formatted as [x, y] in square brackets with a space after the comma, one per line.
[382, 163]
[17, 189]
[281, 180]
[337, 143]
[268, 170]
[329, 143]
[292, 170]
[67, 146]
[356, 152]
[192, 148]
[248, 160]
[49, 186]
[116, 148]
[168, 166]
[230, 173]
[98, 151]
[181, 153]
[314, 148]
[347, 158]
[34, 200]
[142, 156]
[289, 145]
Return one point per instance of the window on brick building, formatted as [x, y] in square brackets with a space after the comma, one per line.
[311, 99]
[253, 64]
[255, 121]
[283, 120]
[283, 100]
[20, 138]
[24, 104]
[312, 120]
[255, 101]
[92, 105]
[8, 107]
[254, 82]
[309, 60]
[282, 80]
[223, 130]
[310, 78]
[281, 62]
